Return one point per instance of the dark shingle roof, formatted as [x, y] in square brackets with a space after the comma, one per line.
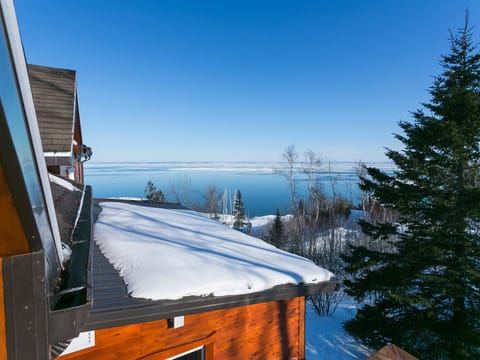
[54, 94]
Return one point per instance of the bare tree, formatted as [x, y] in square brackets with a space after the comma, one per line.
[332, 210]
[181, 187]
[288, 171]
[361, 172]
[314, 230]
[212, 201]
[311, 215]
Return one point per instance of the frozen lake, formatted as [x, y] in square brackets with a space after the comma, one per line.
[263, 191]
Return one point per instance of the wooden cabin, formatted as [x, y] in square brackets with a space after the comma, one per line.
[266, 324]
[60, 295]
[55, 98]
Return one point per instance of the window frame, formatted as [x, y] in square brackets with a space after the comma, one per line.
[202, 348]
[206, 342]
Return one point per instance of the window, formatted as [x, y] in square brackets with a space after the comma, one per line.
[198, 349]
[194, 354]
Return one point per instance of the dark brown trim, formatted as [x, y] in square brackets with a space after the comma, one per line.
[65, 324]
[77, 275]
[26, 306]
[3, 323]
[73, 302]
[147, 310]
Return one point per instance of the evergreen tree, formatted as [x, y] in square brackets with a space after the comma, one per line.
[238, 211]
[424, 293]
[152, 194]
[276, 231]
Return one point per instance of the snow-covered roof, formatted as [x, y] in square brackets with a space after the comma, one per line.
[174, 253]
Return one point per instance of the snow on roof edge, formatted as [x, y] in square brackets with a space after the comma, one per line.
[62, 182]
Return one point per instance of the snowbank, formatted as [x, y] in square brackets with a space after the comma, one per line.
[170, 254]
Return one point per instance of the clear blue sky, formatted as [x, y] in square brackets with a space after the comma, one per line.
[240, 80]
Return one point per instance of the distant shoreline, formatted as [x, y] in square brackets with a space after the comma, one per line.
[263, 190]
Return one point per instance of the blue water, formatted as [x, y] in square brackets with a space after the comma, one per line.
[263, 191]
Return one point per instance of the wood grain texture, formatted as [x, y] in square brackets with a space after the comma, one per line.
[272, 330]
[301, 328]
[77, 145]
[13, 239]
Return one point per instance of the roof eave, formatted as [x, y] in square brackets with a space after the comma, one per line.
[165, 309]
[58, 158]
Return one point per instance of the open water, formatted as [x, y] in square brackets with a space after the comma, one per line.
[263, 190]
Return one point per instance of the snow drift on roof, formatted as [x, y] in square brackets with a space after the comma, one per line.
[63, 183]
[170, 254]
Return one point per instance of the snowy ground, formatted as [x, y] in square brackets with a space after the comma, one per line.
[326, 339]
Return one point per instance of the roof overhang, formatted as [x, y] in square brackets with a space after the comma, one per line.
[138, 310]
[58, 158]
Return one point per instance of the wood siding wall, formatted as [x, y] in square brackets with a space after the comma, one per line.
[273, 330]
[78, 171]
[77, 146]
[13, 238]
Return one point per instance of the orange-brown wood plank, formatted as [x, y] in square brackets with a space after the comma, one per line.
[272, 330]
[301, 327]
[14, 241]
[111, 344]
